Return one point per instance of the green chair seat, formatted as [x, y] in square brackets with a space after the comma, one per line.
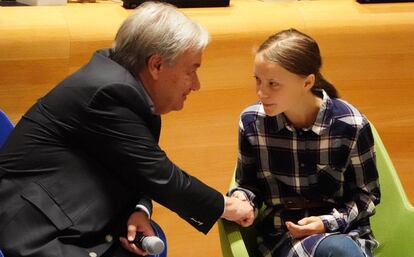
[392, 224]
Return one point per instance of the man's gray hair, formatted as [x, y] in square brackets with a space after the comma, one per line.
[156, 28]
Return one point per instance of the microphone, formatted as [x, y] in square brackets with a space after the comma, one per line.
[151, 244]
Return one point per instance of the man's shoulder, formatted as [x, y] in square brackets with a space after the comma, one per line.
[101, 84]
[102, 70]
[106, 79]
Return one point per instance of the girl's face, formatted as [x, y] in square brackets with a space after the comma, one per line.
[278, 89]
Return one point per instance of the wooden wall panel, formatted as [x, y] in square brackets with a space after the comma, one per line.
[367, 50]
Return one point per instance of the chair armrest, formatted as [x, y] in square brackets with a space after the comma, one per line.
[231, 240]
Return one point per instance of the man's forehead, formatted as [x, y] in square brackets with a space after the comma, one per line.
[191, 58]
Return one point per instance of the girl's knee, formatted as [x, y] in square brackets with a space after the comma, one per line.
[338, 246]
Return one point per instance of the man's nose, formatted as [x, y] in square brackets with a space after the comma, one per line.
[196, 84]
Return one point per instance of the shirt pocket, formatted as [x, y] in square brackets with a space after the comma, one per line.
[40, 198]
[330, 180]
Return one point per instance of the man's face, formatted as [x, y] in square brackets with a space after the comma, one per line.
[176, 82]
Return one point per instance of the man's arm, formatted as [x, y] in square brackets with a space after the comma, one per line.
[144, 204]
[120, 136]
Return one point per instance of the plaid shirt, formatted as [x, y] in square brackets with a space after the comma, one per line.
[332, 162]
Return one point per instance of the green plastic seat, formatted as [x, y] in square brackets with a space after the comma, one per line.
[393, 223]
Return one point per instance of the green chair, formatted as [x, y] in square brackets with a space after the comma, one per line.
[393, 224]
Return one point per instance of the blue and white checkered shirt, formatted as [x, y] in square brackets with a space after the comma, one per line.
[333, 161]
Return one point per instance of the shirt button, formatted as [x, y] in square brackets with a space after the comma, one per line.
[302, 165]
[108, 238]
[93, 254]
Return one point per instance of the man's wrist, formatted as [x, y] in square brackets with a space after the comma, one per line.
[228, 202]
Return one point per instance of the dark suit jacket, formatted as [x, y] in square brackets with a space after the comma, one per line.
[79, 161]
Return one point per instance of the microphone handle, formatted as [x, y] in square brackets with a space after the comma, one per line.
[153, 247]
[138, 240]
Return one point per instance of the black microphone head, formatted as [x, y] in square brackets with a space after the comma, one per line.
[153, 245]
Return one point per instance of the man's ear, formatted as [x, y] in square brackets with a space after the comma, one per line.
[309, 82]
[154, 65]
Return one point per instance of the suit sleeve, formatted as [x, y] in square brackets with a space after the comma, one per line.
[144, 204]
[124, 142]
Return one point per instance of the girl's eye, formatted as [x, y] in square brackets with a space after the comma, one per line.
[273, 84]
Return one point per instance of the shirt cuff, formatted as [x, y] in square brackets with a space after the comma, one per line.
[144, 209]
[249, 196]
[330, 223]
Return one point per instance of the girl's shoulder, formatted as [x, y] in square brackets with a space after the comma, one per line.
[344, 112]
[251, 113]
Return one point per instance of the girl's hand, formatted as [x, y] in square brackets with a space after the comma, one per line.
[240, 195]
[306, 227]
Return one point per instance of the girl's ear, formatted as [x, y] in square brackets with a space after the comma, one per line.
[154, 65]
[309, 82]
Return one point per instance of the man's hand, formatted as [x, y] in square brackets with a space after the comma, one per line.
[239, 211]
[137, 222]
[306, 227]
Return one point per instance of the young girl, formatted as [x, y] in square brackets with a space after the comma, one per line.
[307, 155]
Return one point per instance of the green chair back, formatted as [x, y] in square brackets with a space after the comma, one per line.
[393, 222]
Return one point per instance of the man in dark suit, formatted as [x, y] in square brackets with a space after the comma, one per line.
[80, 169]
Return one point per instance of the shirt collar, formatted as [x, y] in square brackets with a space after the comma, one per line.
[322, 122]
[324, 117]
[147, 97]
[108, 53]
